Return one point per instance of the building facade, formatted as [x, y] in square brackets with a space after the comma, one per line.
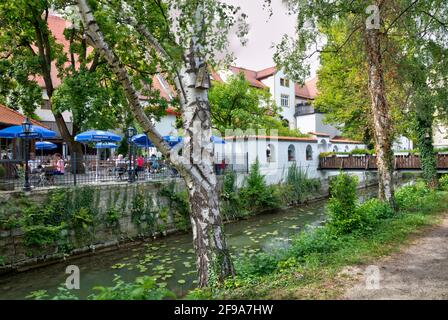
[294, 100]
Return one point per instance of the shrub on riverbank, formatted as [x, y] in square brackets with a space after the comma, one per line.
[256, 194]
[342, 213]
[298, 185]
[315, 256]
[443, 182]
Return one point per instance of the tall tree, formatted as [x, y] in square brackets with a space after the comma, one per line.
[235, 104]
[74, 77]
[373, 24]
[183, 45]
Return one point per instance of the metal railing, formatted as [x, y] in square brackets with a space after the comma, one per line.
[82, 170]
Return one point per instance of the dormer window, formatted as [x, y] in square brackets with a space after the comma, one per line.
[284, 82]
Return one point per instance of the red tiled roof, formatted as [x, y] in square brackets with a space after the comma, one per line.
[319, 134]
[57, 26]
[265, 73]
[280, 138]
[339, 139]
[308, 90]
[249, 75]
[11, 117]
[215, 76]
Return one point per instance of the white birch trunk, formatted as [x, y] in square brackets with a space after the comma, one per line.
[196, 165]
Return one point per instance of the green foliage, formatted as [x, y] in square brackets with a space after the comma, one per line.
[81, 219]
[299, 185]
[2, 171]
[374, 209]
[231, 204]
[257, 265]
[354, 151]
[256, 194]
[412, 197]
[235, 104]
[443, 182]
[143, 288]
[142, 210]
[178, 205]
[342, 204]
[320, 251]
[112, 216]
[41, 235]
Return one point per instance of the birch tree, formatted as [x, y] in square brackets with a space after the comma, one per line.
[191, 38]
[374, 23]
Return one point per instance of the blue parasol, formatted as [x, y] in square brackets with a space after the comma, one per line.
[45, 145]
[105, 145]
[35, 132]
[217, 140]
[142, 140]
[97, 136]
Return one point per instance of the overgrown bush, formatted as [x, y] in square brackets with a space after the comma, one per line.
[315, 241]
[343, 216]
[375, 209]
[443, 182]
[178, 205]
[256, 194]
[231, 207]
[411, 197]
[299, 185]
[257, 265]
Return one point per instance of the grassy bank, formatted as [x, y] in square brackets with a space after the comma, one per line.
[310, 268]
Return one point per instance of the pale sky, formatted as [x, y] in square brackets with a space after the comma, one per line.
[264, 32]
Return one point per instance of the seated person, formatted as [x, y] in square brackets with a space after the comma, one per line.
[120, 165]
[59, 164]
[154, 163]
[34, 164]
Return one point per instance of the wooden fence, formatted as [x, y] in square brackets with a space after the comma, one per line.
[368, 162]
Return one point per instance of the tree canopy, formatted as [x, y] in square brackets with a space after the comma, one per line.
[235, 104]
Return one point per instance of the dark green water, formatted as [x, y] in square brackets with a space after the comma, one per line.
[170, 259]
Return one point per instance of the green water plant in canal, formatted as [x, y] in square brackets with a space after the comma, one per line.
[256, 194]
[298, 185]
[143, 288]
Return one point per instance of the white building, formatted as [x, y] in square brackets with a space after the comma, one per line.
[295, 100]
[276, 154]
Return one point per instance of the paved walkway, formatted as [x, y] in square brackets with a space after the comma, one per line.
[418, 272]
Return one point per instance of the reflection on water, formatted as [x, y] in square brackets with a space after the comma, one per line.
[170, 260]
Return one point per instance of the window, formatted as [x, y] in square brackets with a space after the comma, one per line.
[346, 149]
[309, 152]
[46, 104]
[291, 153]
[335, 149]
[285, 123]
[284, 82]
[284, 100]
[270, 153]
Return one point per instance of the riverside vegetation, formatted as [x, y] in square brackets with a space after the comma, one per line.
[354, 233]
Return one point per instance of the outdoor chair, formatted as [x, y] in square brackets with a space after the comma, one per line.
[120, 172]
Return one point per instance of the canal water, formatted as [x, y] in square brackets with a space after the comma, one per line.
[170, 259]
